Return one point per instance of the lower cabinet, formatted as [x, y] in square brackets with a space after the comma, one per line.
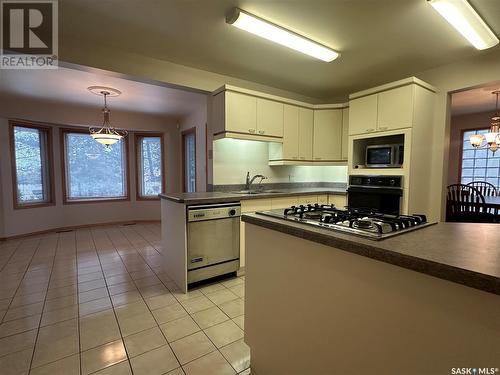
[339, 200]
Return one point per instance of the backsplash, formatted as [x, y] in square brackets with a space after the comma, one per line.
[233, 158]
[281, 185]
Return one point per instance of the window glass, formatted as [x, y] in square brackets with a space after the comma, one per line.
[190, 162]
[479, 165]
[94, 171]
[150, 166]
[31, 165]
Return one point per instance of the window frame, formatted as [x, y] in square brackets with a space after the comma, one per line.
[461, 154]
[183, 134]
[49, 163]
[138, 161]
[64, 171]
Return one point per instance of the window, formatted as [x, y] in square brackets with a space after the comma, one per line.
[479, 165]
[93, 171]
[31, 147]
[150, 175]
[189, 160]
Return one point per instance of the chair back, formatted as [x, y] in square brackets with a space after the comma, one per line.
[464, 203]
[487, 189]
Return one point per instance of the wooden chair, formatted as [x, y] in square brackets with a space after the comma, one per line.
[464, 203]
[487, 189]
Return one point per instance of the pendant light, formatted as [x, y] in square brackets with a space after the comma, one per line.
[490, 140]
[106, 135]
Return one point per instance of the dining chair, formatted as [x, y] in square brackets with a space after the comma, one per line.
[487, 189]
[465, 203]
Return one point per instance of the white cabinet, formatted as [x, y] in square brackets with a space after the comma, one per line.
[241, 113]
[306, 127]
[290, 132]
[269, 118]
[284, 202]
[345, 132]
[327, 135]
[387, 110]
[363, 115]
[395, 108]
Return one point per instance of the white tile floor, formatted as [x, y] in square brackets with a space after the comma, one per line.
[95, 301]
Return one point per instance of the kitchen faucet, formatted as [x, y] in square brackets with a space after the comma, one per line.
[250, 181]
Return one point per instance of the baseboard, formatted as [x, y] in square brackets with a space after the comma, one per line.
[73, 227]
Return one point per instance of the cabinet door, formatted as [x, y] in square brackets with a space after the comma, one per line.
[252, 205]
[305, 141]
[269, 118]
[327, 140]
[363, 115]
[345, 132]
[284, 202]
[339, 200]
[290, 132]
[241, 113]
[323, 199]
[395, 108]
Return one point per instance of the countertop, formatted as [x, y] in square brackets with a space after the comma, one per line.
[464, 253]
[220, 197]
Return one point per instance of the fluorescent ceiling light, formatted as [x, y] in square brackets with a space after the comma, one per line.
[277, 34]
[462, 16]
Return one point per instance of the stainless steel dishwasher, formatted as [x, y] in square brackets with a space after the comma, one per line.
[213, 240]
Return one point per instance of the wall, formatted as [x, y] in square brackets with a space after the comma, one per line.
[198, 120]
[232, 158]
[16, 222]
[457, 125]
[469, 73]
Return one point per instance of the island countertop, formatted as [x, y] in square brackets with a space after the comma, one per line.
[220, 197]
[465, 253]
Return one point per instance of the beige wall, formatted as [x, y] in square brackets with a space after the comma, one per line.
[16, 222]
[198, 120]
[476, 71]
[457, 125]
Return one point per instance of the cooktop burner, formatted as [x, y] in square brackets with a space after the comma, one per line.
[364, 222]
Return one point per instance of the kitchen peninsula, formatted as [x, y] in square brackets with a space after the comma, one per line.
[324, 302]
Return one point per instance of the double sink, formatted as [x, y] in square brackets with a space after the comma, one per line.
[256, 191]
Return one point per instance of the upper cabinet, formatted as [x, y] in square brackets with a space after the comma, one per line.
[297, 135]
[290, 133]
[306, 127]
[245, 116]
[327, 134]
[345, 132]
[385, 108]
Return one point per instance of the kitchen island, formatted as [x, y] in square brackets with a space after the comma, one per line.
[174, 217]
[323, 302]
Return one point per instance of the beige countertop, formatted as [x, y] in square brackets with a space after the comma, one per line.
[464, 253]
[220, 197]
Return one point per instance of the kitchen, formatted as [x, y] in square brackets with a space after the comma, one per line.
[261, 184]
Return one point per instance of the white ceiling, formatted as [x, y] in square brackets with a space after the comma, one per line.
[380, 40]
[70, 86]
[475, 100]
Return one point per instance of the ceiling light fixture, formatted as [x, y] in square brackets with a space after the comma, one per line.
[265, 29]
[490, 140]
[462, 16]
[106, 135]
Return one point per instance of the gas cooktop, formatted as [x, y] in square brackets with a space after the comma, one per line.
[362, 222]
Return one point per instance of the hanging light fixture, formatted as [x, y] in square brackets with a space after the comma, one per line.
[490, 140]
[106, 134]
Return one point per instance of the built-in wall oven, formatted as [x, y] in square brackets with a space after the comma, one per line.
[213, 240]
[381, 193]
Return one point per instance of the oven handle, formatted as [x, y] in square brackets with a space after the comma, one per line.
[375, 190]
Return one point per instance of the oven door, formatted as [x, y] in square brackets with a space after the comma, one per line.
[386, 200]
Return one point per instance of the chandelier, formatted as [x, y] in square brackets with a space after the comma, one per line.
[490, 140]
[106, 134]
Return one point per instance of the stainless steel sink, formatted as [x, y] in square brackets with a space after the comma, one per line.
[256, 191]
[272, 191]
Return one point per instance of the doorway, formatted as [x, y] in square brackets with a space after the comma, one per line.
[189, 160]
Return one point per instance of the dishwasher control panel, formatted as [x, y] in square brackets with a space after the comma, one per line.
[211, 212]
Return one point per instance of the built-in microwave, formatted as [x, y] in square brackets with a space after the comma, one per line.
[384, 156]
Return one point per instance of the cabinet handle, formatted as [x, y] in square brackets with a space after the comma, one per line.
[383, 127]
[261, 131]
[370, 129]
[294, 157]
[317, 158]
[251, 130]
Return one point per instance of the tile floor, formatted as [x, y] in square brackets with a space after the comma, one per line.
[95, 301]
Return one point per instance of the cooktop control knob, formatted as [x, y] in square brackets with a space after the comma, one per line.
[232, 212]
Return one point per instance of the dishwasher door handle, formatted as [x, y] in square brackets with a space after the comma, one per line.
[196, 260]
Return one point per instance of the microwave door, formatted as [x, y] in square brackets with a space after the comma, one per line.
[379, 157]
